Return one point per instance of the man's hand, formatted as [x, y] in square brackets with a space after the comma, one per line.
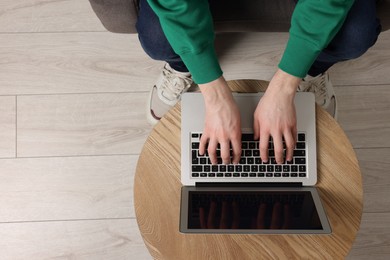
[222, 122]
[275, 116]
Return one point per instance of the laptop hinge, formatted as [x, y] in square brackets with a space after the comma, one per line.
[248, 184]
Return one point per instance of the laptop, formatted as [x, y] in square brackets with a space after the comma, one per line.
[252, 197]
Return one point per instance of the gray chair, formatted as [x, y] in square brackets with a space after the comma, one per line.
[120, 16]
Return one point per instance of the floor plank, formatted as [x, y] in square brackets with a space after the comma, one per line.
[47, 16]
[375, 168]
[56, 63]
[107, 62]
[88, 124]
[64, 188]
[7, 127]
[92, 239]
[373, 240]
[256, 55]
[364, 113]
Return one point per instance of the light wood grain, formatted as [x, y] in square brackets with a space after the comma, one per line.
[375, 167]
[373, 240]
[89, 124]
[7, 127]
[339, 185]
[106, 62]
[52, 63]
[66, 188]
[47, 16]
[256, 56]
[370, 69]
[364, 113]
[93, 239]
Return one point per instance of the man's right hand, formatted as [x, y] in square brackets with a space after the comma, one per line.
[222, 122]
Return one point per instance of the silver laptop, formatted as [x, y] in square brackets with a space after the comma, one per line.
[252, 196]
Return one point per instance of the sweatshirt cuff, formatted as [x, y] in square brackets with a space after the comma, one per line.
[298, 56]
[203, 66]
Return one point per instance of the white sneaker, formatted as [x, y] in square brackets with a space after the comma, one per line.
[167, 92]
[323, 90]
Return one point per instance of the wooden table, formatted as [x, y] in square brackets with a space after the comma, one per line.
[157, 199]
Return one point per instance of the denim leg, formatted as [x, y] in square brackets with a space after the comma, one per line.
[358, 33]
[153, 39]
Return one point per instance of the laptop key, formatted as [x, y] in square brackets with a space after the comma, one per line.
[236, 174]
[247, 168]
[228, 174]
[244, 174]
[197, 168]
[301, 145]
[247, 137]
[211, 174]
[277, 174]
[268, 174]
[302, 174]
[299, 153]
[195, 145]
[294, 174]
[300, 160]
[260, 174]
[219, 174]
[286, 168]
[250, 160]
[238, 168]
[285, 174]
[252, 174]
[231, 168]
[301, 137]
[207, 168]
[195, 174]
[203, 174]
[262, 168]
[254, 168]
[302, 168]
[294, 168]
[214, 168]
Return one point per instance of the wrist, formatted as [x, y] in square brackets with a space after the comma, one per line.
[215, 90]
[284, 82]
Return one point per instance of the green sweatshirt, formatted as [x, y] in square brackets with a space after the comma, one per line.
[188, 26]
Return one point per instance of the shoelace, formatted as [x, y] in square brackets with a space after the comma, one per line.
[174, 84]
[317, 86]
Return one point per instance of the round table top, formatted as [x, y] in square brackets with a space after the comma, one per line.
[157, 190]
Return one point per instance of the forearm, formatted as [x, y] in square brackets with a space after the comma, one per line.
[313, 26]
[188, 26]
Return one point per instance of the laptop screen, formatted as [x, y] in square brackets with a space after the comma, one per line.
[261, 211]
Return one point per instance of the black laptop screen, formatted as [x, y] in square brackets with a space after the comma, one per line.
[266, 210]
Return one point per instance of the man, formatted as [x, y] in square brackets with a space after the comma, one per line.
[322, 33]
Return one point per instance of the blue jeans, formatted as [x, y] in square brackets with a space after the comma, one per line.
[358, 33]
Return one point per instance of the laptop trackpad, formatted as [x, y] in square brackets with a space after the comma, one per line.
[252, 211]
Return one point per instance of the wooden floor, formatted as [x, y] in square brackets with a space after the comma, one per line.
[72, 125]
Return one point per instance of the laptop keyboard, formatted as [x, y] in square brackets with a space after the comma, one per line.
[250, 165]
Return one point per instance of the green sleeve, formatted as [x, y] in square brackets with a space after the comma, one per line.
[313, 25]
[188, 26]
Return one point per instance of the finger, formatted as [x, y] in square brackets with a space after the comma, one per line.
[236, 147]
[278, 148]
[256, 129]
[264, 139]
[290, 145]
[212, 150]
[225, 152]
[223, 224]
[276, 216]
[203, 144]
[211, 217]
[202, 218]
[260, 223]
